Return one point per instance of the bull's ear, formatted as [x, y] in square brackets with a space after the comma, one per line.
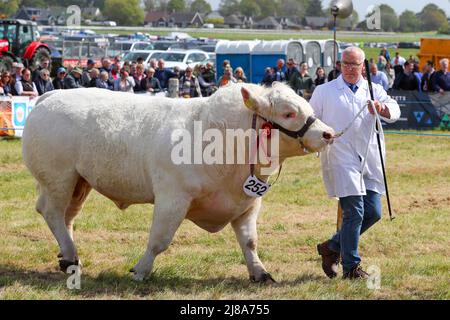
[254, 100]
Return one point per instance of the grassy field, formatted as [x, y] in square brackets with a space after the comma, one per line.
[412, 252]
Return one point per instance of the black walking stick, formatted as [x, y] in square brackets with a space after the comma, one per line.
[366, 63]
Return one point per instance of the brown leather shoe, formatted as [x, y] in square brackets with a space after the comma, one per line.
[356, 273]
[330, 259]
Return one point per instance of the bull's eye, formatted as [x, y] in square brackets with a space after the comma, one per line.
[290, 115]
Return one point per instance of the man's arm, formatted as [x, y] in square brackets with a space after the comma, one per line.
[390, 110]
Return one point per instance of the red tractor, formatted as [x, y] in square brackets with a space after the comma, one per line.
[18, 44]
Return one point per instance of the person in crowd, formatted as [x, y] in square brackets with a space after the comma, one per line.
[226, 63]
[336, 72]
[150, 83]
[26, 87]
[291, 69]
[278, 73]
[163, 74]
[207, 83]
[428, 74]
[239, 75]
[5, 84]
[43, 64]
[227, 78]
[124, 83]
[177, 72]
[359, 190]
[385, 54]
[189, 86]
[106, 66]
[320, 76]
[115, 72]
[209, 74]
[302, 83]
[93, 75]
[417, 73]
[390, 74]
[441, 82]
[132, 67]
[73, 79]
[86, 77]
[378, 77]
[103, 81]
[17, 70]
[406, 80]
[44, 83]
[268, 77]
[138, 76]
[58, 82]
[153, 63]
[381, 65]
[398, 63]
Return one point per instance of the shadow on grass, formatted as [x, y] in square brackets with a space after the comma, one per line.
[115, 285]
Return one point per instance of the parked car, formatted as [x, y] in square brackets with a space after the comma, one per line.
[144, 54]
[182, 59]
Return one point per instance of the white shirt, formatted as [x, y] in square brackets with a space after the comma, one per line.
[401, 61]
[336, 105]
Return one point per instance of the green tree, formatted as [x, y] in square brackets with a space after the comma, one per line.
[228, 7]
[126, 13]
[432, 18]
[315, 9]
[291, 8]
[268, 7]
[8, 7]
[250, 8]
[408, 22]
[150, 5]
[200, 6]
[389, 19]
[176, 6]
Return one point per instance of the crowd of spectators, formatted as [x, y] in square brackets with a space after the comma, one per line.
[133, 76]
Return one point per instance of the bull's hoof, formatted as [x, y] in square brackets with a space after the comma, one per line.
[265, 278]
[64, 264]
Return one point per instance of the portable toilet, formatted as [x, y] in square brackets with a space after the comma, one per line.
[327, 54]
[266, 53]
[313, 54]
[237, 52]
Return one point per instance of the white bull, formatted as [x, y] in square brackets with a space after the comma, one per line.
[120, 144]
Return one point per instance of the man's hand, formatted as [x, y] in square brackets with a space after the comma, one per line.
[382, 110]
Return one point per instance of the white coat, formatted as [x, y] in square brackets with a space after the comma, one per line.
[336, 105]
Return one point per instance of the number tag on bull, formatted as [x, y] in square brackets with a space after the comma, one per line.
[255, 188]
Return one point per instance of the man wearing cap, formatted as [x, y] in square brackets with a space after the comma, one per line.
[73, 79]
[86, 78]
[58, 82]
[45, 64]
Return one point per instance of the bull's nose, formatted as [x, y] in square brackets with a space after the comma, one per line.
[327, 135]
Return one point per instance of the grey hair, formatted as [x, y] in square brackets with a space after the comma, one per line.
[357, 50]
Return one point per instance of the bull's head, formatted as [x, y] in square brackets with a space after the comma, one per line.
[300, 132]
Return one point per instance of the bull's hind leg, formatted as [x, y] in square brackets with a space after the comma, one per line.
[169, 212]
[52, 204]
[80, 194]
[246, 234]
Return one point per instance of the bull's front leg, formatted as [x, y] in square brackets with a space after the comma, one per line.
[246, 234]
[169, 211]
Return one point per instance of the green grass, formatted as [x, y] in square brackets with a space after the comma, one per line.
[413, 251]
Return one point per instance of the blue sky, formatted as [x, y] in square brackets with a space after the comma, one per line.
[398, 5]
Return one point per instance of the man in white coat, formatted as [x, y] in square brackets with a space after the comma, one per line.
[337, 103]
